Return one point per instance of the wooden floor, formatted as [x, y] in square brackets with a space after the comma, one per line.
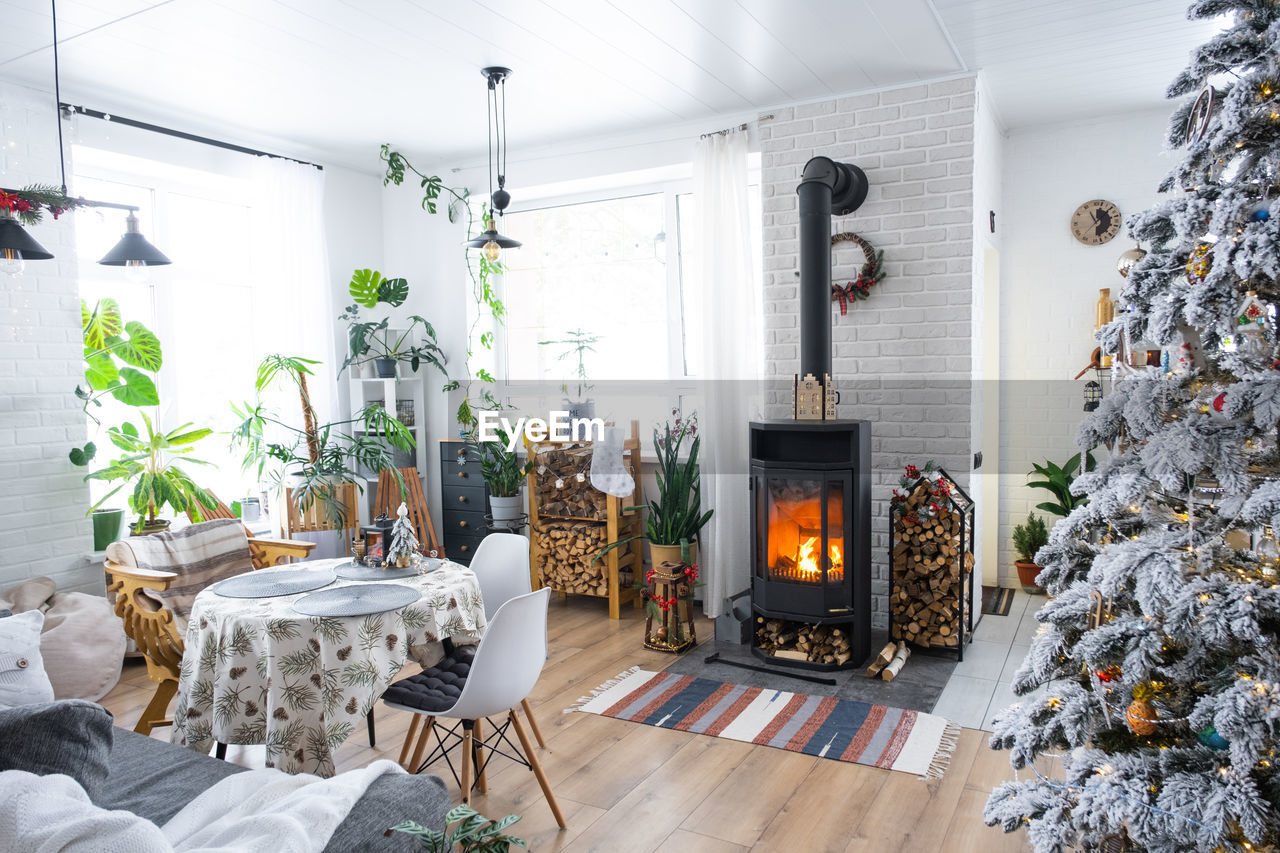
[630, 788]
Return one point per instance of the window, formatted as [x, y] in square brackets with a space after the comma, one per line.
[620, 266]
[202, 308]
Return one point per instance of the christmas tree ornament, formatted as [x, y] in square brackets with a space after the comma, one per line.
[1201, 115]
[1252, 328]
[1141, 716]
[404, 539]
[1209, 737]
[609, 471]
[1199, 264]
[1128, 258]
[1259, 211]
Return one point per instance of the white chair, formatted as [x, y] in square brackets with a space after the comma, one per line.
[501, 564]
[505, 667]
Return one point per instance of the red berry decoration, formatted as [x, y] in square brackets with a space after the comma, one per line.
[1219, 401]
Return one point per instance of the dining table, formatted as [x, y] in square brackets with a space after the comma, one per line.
[257, 671]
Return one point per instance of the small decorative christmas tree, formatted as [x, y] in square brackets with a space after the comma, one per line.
[404, 540]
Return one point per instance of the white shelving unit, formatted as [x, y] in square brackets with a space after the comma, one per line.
[406, 393]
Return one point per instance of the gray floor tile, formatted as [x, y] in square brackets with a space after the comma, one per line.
[983, 660]
[1017, 653]
[1003, 696]
[965, 700]
[997, 629]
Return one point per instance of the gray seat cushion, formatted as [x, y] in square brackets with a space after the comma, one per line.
[436, 688]
[72, 737]
[155, 780]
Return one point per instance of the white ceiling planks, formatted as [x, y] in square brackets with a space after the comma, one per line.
[337, 77]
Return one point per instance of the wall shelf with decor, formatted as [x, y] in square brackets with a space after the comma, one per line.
[404, 395]
[570, 522]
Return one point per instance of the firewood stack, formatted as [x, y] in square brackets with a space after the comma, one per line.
[928, 568]
[567, 559]
[780, 638]
[574, 498]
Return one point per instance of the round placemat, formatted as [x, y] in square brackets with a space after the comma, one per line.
[273, 583]
[361, 572]
[356, 600]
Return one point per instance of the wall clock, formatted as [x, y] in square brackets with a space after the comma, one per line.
[1095, 222]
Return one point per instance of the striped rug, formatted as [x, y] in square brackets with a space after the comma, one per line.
[875, 735]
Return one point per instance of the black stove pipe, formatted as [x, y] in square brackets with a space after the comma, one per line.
[827, 189]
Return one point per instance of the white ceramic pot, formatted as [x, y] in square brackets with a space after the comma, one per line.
[508, 512]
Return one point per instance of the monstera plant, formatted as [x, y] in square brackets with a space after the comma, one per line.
[120, 360]
[374, 340]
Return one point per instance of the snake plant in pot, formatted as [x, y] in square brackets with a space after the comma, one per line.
[676, 516]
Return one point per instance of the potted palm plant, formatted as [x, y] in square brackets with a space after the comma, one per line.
[317, 456]
[504, 475]
[1028, 538]
[150, 465]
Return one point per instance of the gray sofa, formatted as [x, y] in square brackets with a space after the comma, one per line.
[123, 770]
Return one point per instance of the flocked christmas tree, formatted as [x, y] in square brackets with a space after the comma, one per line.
[404, 540]
[1151, 694]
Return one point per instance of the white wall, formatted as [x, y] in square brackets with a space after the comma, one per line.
[988, 197]
[1049, 283]
[43, 528]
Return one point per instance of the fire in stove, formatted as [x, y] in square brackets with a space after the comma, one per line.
[795, 537]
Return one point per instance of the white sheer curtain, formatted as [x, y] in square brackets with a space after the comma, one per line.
[732, 357]
[293, 306]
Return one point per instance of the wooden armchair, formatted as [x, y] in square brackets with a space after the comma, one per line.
[155, 628]
[266, 552]
[316, 517]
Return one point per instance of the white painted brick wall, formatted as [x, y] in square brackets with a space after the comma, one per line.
[43, 528]
[901, 358]
[1049, 284]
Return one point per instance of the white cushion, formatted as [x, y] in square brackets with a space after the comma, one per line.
[22, 677]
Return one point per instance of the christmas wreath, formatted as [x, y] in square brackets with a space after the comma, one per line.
[29, 203]
[870, 274]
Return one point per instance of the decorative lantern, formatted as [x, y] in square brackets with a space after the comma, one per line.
[377, 538]
[1092, 395]
[1251, 320]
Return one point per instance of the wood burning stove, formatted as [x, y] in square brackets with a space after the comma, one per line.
[811, 529]
[811, 477]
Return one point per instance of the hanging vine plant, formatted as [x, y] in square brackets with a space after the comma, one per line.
[480, 269]
[871, 274]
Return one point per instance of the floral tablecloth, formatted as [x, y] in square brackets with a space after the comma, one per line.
[257, 672]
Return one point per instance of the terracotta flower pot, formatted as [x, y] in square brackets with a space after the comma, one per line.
[1027, 572]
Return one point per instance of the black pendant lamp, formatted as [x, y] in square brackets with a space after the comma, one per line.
[134, 250]
[491, 242]
[17, 246]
